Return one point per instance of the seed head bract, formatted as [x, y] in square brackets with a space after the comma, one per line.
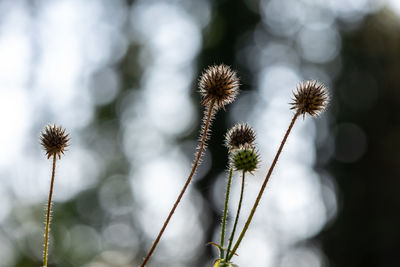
[218, 84]
[239, 135]
[310, 97]
[245, 158]
[54, 140]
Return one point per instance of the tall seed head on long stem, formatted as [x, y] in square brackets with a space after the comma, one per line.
[54, 140]
[218, 84]
[310, 97]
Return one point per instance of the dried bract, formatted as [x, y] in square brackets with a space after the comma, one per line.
[54, 140]
[310, 97]
[239, 135]
[219, 85]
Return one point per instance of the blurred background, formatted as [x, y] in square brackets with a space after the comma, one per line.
[121, 77]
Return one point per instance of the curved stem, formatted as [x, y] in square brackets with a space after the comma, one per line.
[236, 219]
[253, 210]
[46, 233]
[204, 136]
[228, 189]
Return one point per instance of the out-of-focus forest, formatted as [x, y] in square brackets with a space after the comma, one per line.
[121, 77]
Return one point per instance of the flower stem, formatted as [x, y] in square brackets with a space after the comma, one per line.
[253, 210]
[207, 122]
[237, 218]
[46, 234]
[228, 189]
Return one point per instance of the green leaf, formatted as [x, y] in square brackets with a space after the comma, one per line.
[216, 245]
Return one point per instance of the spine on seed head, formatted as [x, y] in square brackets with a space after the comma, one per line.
[310, 97]
[219, 85]
[245, 158]
[239, 135]
[54, 140]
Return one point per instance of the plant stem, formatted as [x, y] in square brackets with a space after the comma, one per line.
[253, 210]
[46, 234]
[208, 117]
[237, 217]
[228, 189]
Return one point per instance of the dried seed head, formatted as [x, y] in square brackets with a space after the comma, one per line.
[245, 159]
[54, 140]
[218, 84]
[239, 135]
[310, 97]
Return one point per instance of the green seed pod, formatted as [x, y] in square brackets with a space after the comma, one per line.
[222, 263]
[217, 263]
[245, 159]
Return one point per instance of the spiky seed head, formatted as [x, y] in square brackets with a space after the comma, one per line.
[54, 140]
[218, 84]
[239, 135]
[310, 97]
[245, 159]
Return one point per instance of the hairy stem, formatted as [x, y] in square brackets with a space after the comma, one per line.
[46, 233]
[228, 189]
[253, 210]
[207, 122]
[237, 217]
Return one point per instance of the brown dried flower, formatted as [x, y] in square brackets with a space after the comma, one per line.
[239, 135]
[54, 140]
[310, 97]
[218, 84]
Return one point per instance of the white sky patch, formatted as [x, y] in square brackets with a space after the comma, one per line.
[16, 116]
[15, 52]
[43, 79]
[394, 5]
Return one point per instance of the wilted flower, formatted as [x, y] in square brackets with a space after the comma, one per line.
[54, 140]
[218, 85]
[310, 97]
[239, 135]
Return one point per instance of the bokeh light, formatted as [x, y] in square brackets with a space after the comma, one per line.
[121, 77]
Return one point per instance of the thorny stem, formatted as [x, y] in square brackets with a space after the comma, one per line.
[204, 135]
[46, 234]
[237, 218]
[228, 189]
[253, 210]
